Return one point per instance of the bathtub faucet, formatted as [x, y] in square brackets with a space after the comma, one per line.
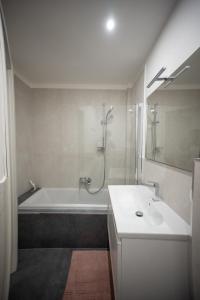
[85, 180]
[34, 187]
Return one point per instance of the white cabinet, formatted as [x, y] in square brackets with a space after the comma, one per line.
[148, 269]
[115, 255]
[147, 265]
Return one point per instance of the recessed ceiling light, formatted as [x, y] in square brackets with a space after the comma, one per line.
[110, 24]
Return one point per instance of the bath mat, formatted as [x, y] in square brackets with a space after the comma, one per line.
[89, 276]
[41, 274]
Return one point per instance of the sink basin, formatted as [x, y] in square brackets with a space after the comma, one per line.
[158, 219]
[148, 210]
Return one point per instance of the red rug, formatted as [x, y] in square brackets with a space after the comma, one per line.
[89, 276]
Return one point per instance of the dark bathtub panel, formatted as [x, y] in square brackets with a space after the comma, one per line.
[62, 231]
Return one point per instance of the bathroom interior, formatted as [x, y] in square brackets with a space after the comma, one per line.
[100, 150]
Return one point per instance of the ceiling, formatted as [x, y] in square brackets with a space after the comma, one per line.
[65, 42]
[190, 78]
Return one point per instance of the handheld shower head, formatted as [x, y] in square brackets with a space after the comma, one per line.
[109, 111]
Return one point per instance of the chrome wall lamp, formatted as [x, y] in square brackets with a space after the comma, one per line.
[169, 79]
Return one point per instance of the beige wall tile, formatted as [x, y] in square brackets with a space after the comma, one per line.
[23, 99]
[58, 132]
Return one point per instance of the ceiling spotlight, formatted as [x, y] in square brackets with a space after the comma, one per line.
[110, 24]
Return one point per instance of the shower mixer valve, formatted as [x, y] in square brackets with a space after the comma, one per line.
[85, 180]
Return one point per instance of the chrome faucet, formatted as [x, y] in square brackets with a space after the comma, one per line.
[157, 189]
[85, 180]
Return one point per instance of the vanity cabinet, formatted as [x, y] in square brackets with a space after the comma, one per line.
[147, 267]
[115, 255]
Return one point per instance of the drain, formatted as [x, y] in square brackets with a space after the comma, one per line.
[139, 213]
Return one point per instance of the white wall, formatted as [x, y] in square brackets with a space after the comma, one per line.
[66, 129]
[58, 131]
[23, 97]
[178, 40]
[175, 186]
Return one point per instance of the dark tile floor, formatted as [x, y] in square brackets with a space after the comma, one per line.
[41, 274]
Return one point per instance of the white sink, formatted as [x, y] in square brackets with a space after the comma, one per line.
[158, 219]
[149, 253]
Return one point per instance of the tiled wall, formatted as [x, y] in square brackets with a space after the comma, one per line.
[175, 186]
[58, 132]
[23, 98]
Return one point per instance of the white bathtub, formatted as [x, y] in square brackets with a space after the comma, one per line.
[62, 200]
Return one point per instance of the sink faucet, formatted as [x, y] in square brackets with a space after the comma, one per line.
[157, 189]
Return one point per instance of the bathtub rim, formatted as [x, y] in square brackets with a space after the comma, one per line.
[71, 208]
[60, 210]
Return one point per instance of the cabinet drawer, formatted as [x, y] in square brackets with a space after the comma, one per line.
[115, 255]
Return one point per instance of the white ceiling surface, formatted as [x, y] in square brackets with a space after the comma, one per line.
[191, 76]
[65, 42]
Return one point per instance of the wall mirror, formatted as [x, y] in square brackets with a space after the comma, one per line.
[173, 117]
